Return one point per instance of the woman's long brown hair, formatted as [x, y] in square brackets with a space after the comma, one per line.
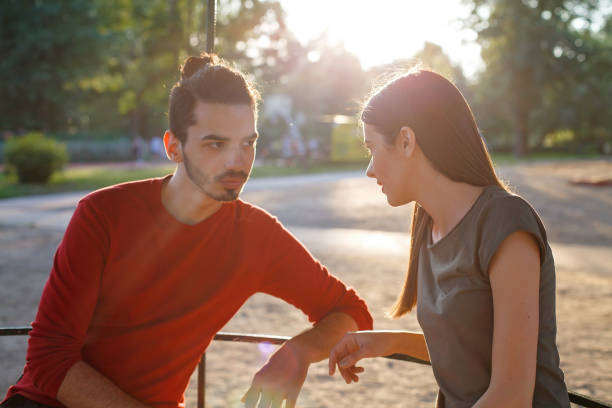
[447, 134]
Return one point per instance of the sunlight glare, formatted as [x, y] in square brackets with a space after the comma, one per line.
[382, 31]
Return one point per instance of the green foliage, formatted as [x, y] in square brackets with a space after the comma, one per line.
[559, 138]
[79, 67]
[548, 68]
[430, 57]
[108, 65]
[116, 150]
[45, 47]
[34, 157]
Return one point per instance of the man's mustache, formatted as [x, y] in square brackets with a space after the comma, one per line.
[233, 175]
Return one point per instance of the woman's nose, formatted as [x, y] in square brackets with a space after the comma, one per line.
[370, 170]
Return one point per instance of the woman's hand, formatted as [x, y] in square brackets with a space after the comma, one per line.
[355, 346]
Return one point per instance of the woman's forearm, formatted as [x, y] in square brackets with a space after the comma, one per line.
[410, 343]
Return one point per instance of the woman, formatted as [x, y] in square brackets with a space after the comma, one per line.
[480, 273]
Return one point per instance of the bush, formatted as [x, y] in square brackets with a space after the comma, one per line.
[34, 157]
[100, 150]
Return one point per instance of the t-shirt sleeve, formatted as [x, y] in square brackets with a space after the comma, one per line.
[68, 301]
[295, 276]
[502, 217]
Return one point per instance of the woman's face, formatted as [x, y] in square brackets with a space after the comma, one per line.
[389, 165]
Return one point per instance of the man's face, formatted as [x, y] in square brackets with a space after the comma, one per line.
[219, 150]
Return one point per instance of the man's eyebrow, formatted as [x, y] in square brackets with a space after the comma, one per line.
[214, 137]
[218, 138]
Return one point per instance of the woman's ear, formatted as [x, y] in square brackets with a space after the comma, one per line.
[173, 147]
[407, 141]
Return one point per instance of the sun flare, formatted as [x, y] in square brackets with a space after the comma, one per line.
[382, 31]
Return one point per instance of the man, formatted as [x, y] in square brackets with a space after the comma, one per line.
[149, 271]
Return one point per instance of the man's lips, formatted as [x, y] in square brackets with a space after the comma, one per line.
[231, 183]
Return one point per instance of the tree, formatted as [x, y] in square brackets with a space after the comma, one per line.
[109, 64]
[154, 36]
[534, 58]
[431, 57]
[45, 45]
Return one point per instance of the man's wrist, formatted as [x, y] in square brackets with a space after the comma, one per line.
[301, 349]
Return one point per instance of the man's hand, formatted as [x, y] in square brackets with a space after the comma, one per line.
[280, 379]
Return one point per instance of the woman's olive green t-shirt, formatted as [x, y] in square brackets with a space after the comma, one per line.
[455, 303]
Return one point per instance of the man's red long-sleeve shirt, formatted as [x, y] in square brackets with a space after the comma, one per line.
[139, 296]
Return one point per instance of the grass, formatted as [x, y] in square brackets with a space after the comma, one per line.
[87, 178]
[91, 177]
[509, 158]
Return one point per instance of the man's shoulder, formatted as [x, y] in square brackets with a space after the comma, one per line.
[119, 194]
[253, 214]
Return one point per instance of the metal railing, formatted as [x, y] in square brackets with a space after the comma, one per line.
[574, 397]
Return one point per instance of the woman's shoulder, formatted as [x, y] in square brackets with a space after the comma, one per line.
[503, 205]
[502, 213]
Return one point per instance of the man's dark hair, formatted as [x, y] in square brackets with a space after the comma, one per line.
[209, 79]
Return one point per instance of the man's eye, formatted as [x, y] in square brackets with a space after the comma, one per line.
[251, 143]
[216, 145]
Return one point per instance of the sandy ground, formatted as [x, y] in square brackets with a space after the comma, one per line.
[579, 223]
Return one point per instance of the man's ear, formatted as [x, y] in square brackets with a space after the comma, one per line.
[173, 147]
[407, 141]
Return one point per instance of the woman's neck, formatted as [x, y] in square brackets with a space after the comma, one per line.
[446, 202]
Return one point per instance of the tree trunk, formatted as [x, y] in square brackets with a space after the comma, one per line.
[521, 146]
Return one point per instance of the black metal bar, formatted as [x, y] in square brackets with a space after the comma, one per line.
[15, 331]
[579, 399]
[588, 402]
[211, 22]
[406, 357]
[251, 338]
[202, 382]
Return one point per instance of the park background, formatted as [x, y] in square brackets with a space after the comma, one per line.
[89, 81]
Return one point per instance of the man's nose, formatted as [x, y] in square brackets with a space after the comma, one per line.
[370, 170]
[236, 159]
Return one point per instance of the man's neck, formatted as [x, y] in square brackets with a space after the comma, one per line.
[185, 201]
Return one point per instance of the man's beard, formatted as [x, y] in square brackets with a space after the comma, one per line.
[204, 181]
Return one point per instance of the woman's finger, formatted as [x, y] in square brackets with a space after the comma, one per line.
[352, 358]
[344, 347]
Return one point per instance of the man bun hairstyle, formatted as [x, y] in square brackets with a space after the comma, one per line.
[193, 64]
[207, 79]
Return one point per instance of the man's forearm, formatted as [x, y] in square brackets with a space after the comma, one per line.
[317, 342]
[85, 387]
